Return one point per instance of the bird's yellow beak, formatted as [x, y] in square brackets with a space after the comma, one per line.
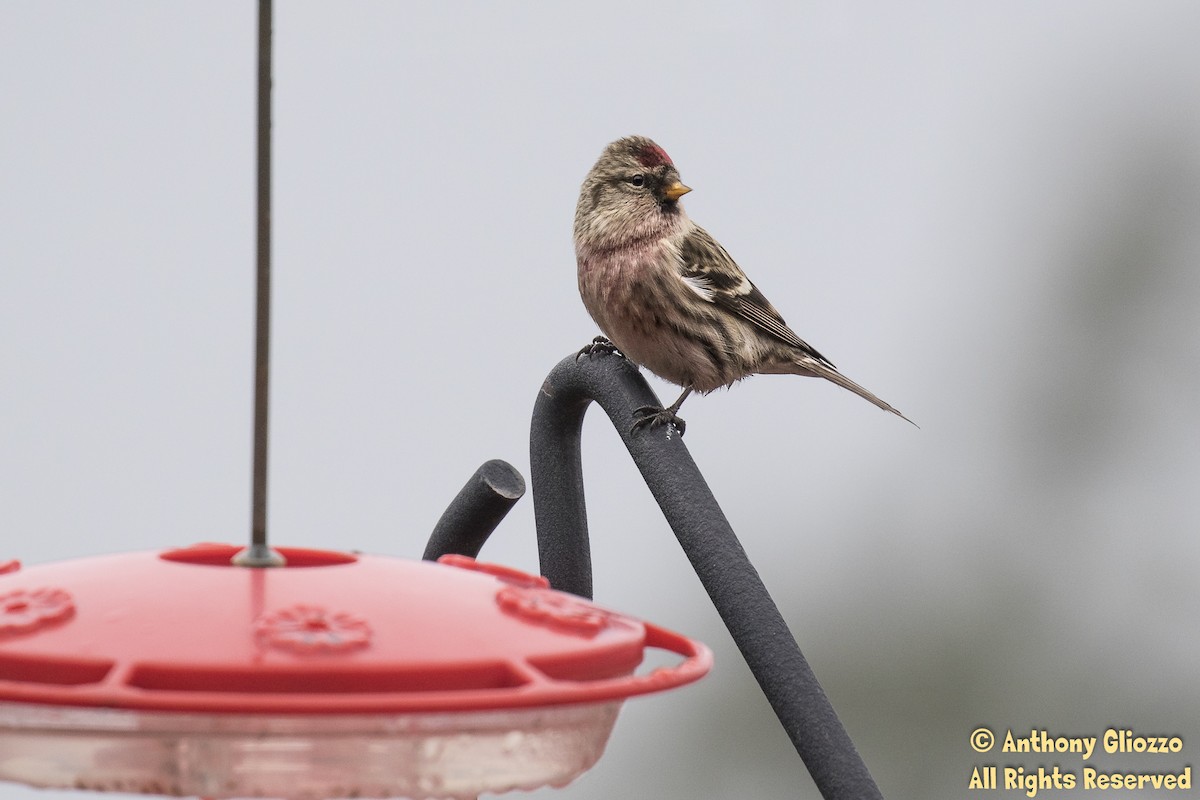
[676, 191]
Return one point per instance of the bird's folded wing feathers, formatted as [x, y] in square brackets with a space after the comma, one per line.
[714, 276]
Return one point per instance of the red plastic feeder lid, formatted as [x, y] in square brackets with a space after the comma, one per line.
[183, 630]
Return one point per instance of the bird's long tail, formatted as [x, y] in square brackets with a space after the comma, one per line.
[819, 369]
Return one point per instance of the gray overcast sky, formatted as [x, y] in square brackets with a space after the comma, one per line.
[986, 213]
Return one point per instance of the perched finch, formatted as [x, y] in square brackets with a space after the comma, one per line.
[670, 298]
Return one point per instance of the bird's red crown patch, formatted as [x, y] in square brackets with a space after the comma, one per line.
[654, 156]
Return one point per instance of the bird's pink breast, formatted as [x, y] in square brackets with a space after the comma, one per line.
[630, 294]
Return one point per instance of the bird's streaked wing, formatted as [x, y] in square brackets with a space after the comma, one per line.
[715, 276]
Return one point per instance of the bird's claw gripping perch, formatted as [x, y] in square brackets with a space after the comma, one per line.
[600, 344]
[653, 416]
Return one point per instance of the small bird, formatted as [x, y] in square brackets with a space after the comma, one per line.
[667, 295]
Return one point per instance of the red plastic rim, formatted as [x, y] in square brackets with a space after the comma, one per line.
[330, 633]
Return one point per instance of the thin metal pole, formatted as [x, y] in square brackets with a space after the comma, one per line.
[259, 554]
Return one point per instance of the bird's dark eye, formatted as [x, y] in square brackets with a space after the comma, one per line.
[638, 180]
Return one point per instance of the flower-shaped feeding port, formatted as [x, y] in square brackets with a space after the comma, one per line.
[338, 675]
[312, 629]
[555, 609]
[26, 610]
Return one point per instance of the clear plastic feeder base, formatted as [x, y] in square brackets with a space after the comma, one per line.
[449, 755]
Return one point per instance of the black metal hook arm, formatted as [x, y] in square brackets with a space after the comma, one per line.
[730, 579]
[476, 510]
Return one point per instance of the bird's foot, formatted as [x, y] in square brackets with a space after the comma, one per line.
[600, 344]
[653, 416]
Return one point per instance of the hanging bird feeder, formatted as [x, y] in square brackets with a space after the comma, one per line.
[338, 675]
[306, 674]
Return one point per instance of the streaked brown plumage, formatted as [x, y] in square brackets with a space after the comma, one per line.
[667, 295]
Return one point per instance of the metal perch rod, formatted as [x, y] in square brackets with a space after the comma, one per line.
[476, 510]
[730, 579]
[732, 583]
